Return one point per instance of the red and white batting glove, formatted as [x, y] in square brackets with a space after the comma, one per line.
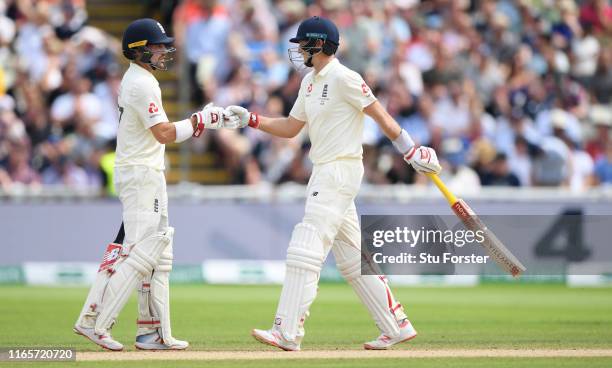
[238, 117]
[423, 159]
[211, 117]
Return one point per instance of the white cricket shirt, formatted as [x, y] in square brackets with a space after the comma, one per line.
[331, 102]
[140, 108]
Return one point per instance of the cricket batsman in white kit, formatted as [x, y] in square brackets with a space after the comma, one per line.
[144, 259]
[332, 101]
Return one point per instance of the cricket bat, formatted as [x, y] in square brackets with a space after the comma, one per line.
[494, 247]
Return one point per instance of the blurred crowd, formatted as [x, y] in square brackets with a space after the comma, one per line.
[58, 95]
[509, 93]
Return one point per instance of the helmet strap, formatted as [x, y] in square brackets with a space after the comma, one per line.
[308, 62]
[312, 50]
[146, 55]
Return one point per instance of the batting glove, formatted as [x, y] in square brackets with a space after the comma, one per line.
[423, 159]
[239, 117]
[211, 117]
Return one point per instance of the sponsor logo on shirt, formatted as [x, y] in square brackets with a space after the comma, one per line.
[309, 90]
[153, 110]
[365, 89]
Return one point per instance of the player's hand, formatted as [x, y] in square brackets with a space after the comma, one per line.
[211, 117]
[423, 159]
[239, 117]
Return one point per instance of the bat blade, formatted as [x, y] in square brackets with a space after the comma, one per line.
[494, 247]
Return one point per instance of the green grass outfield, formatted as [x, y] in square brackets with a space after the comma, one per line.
[221, 317]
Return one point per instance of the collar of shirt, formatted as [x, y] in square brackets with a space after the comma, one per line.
[140, 70]
[323, 72]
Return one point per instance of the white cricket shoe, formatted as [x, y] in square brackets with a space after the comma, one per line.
[153, 341]
[275, 338]
[106, 341]
[383, 342]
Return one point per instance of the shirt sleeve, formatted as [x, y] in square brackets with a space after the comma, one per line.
[299, 106]
[147, 103]
[356, 91]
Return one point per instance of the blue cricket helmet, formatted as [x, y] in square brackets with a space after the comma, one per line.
[317, 28]
[143, 32]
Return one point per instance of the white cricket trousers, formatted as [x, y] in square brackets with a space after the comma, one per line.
[330, 202]
[142, 192]
[330, 223]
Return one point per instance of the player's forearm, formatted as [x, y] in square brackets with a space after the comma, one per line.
[164, 132]
[390, 127]
[173, 132]
[280, 127]
[387, 124]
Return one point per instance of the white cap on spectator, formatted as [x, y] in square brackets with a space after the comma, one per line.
[7, 103]
[601, 115]
[501, 20]
[90, 35]
[7, 29]
[558, 119]
[292, 7]
[568, 6]
[334, 4]
[16, 131]
[405, 4]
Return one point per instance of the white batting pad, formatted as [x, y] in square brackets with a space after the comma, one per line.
[111, 260]
[141, 260]
[305, 257]
[146, 322]
[160, 293]
[372, 290]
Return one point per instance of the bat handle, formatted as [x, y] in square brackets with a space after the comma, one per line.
[450, 197]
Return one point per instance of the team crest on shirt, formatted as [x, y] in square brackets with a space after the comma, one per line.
[324, 97]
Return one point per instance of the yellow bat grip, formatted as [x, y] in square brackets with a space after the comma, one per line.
[450, 197]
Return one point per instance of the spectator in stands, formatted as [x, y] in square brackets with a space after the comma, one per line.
[521, 162]
[585, 51]
[205, 26]
[602, 81]
[603, 168]
[599, 14]
[601, 120]
[67, 17]
[552, 164]
[499, 174]
[460, 178]
[485, 71]
[63, 171]
[19, 168]
[77, 106]
[8, 60]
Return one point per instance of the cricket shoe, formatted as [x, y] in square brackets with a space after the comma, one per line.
[153, 341]
[106, 341]
[275, 338]
[383, 342]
